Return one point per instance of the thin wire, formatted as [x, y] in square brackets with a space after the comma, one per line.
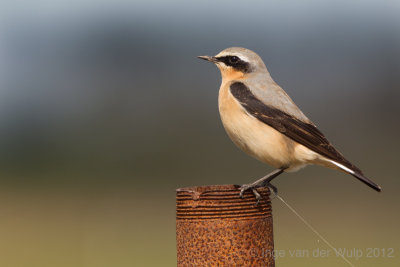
[315, 231]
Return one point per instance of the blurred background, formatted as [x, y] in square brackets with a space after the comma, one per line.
[105, 110]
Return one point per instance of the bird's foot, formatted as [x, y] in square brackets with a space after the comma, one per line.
[253, 187]
[264, 181]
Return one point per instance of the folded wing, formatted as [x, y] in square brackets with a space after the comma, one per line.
[302, 132]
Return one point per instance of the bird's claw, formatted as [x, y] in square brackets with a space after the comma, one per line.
[273, 190]
[246, 187]
[257, 195]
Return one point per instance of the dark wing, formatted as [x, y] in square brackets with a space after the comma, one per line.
[304, 133]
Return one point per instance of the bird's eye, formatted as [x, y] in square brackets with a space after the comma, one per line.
[233, 59]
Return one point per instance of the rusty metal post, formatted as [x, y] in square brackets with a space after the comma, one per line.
[215, 227]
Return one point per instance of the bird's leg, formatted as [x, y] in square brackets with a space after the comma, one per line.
[264, 181]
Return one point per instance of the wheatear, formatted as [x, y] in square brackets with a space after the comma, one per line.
[263, 121]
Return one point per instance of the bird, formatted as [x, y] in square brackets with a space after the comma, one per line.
[263, 121]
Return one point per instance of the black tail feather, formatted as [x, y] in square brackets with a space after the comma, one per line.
[367, 181]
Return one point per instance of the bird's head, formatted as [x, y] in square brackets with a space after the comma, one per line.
[237, 63]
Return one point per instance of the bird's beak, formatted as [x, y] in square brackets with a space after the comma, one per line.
[208, 58]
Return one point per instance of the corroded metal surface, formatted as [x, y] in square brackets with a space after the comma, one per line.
[215, 227]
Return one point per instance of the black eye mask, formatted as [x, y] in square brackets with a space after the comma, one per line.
[236, 63]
